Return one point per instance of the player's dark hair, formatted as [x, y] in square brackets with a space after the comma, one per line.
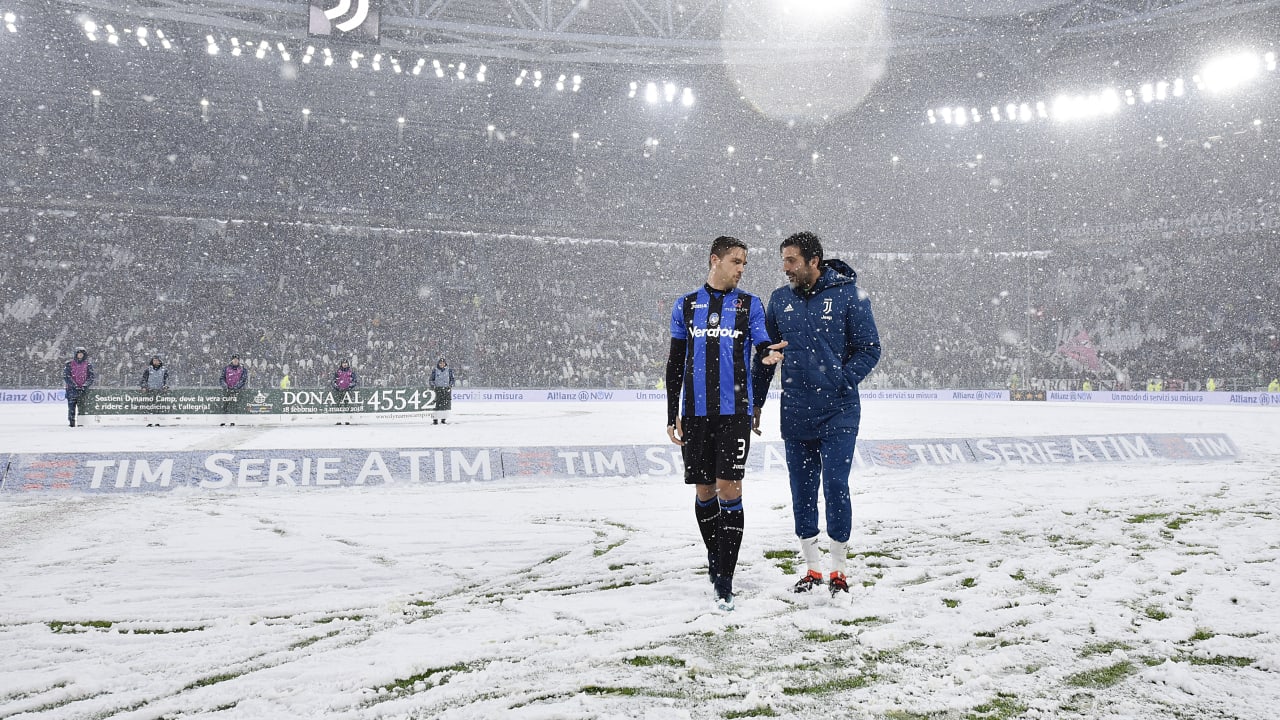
[723, 244]
[809, 245]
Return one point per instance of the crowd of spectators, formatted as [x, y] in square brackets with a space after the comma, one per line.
[538, 311]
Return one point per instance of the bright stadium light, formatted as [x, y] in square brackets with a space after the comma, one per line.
[438, 67]
[1148, 92]
[577, 83]
[1024, 112]
[1162, 90]
[462, 71]
[560, 84]
[537, 78]
[520, 78]
[995, 114]
[1270, 60]
[669, 91]
[1226, 73]
[933, 117]
[946, 115]
[1129, 98]
[633, 88]
[961, 116]
[480, 74]
[1178, 87]
[651, 92]
[686, 97]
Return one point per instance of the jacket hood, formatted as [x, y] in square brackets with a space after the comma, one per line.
[81, 350]
[154, 358]
[834, 272]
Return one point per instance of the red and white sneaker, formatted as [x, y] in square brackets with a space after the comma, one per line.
[837, 583]
[811, 580]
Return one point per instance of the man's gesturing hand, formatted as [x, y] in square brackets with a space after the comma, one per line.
[774, 357]
[676, 432]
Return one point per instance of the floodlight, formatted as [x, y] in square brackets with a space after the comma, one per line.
[995, 114]
[90, 27]
[577, 83]
[1148, 93]
[961, 116]
[1162, 90]
[651, 92]
[306, 111]
[669, 91]
[1178, 88]
[1024, 112]
[1270, 59]
[560, 84]
[946, 115]
[933, 119]
[1228, 72]
[686, 97]
[481, 73]
[633, 87]
[462, 71]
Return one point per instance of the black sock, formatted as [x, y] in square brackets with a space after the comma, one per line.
[707, 512]
[729, 537]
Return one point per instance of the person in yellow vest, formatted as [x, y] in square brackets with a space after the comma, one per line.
[1151, 385]
[1086, 386]
[285, 382]
[1274, 386]
[1159, 385]
[1211, 385]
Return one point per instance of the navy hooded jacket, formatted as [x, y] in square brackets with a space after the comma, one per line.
[832, 344]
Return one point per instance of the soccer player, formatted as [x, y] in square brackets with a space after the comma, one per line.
[827, 320]
[709, 401]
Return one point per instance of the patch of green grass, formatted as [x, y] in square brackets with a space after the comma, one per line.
[422, 603]
[985, 633]
[1156, 613]
[968, 582]
[312, 640]
[1178, 522]
[786, 559]
[73, 626]
[600, 551]
[1020, 575]
[830, 686]
[213, 680]
[1201, 634]
[866, 554]
[616, 567]
[1145, 517]
[761, 711]
[1101, 677]
[951, 602]
[1220, 660]
[332, 618]
[1002, 707]
[821, 636]
[552, 558]
[1103, 648]
[600, 690]
[405, 685]
[655, 660]
[1177, 572]
[619, 584]
[868, 620]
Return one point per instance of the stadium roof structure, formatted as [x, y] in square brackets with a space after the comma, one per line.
[1019, 34]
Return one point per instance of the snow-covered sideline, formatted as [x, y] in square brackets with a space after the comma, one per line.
[1118, 591]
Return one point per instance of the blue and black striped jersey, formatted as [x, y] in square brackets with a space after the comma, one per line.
[719, 329]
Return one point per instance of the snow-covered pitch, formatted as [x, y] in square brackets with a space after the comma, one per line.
[1111, 591]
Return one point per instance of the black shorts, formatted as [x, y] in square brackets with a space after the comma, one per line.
[715, 447]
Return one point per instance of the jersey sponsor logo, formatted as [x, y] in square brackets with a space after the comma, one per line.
[715, 332]
[789, 308]
[714, 319]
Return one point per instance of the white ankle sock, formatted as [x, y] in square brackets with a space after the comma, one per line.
[839, 556]
[812, 557]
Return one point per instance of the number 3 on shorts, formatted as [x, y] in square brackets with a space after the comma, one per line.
[742, 450]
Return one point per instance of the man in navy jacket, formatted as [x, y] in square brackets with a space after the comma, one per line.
[832, 344]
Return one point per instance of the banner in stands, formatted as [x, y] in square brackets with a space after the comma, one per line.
[201, 401]
[309, 468]
[1253, 398]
